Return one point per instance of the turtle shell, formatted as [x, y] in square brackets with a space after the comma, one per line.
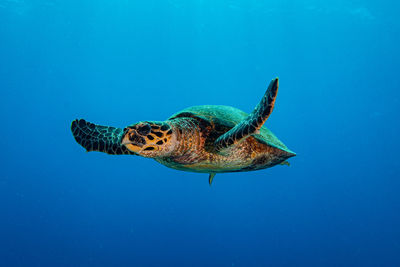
[218, 119]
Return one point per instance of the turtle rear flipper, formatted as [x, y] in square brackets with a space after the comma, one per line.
[99, 138]
[252, 123]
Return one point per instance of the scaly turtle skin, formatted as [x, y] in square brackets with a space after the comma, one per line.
[209, 139]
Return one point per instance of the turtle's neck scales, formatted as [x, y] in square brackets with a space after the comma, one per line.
[189, 142]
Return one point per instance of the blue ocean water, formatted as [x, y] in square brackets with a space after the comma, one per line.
[119, 62]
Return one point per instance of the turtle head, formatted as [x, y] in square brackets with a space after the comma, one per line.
[149, 139]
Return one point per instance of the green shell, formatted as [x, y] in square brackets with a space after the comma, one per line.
[225, 118]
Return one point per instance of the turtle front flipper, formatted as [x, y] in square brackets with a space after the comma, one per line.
[99, 138]
[252, 123]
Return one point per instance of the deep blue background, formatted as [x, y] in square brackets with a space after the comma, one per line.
[118, 62]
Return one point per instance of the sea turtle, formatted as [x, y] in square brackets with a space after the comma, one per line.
[208, 139]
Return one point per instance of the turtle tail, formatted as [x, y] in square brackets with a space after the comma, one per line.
[99, 138]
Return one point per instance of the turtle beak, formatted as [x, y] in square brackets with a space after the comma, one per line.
[125, 140]
[125, 137]
[132, 140]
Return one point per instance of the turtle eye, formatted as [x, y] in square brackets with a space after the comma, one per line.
[144, 130]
